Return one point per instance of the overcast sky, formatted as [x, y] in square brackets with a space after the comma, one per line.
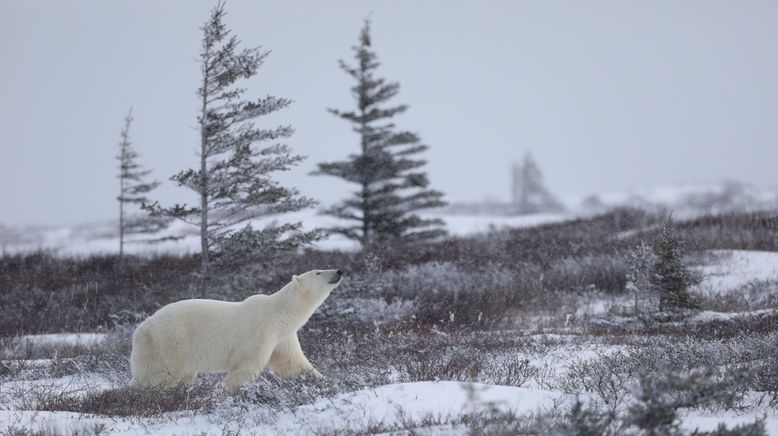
[607, 95]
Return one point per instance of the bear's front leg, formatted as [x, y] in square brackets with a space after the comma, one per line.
[288, 360]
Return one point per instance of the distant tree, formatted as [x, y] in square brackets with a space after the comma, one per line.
[530, 194]
[233, 180]
[672, 277]
[593, 204]
[133, 189]
[392, 186]
[640, 267]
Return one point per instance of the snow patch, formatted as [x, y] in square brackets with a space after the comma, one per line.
[734, 269]
[71, 339]
[708, 422]
[709, 315]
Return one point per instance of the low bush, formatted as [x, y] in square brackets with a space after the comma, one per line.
[610, 377]
[661, 395]
[131, 401]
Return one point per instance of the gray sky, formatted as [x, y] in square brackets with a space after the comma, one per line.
[608, 95]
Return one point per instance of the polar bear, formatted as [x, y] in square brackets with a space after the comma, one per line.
[187, 337]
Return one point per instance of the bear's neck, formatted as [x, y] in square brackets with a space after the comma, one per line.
[294, 310]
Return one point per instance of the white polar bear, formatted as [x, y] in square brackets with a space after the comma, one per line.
[191, 336]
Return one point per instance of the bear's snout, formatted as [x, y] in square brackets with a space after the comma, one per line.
[336, 276]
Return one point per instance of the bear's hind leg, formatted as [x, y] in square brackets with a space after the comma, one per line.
[148, 365]
[145, 360]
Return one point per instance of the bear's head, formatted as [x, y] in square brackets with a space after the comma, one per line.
[316, 285]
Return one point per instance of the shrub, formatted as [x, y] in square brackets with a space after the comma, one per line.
[510, 371]
[609, 376]
[756, 428]
[660, 395]
[422, 366]
[43, 293]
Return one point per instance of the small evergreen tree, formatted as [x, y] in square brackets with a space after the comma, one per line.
[392, 186]
[672, 278]
[133, 189]
[233, 180]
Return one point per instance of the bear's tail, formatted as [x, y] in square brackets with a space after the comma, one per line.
[143, 355]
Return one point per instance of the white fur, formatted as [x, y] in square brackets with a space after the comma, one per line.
[191, 336]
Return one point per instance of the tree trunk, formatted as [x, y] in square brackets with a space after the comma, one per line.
[203, 221]
[121, 221]
[204, 258]
[365, 188]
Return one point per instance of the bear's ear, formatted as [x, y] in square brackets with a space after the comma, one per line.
[296, 280]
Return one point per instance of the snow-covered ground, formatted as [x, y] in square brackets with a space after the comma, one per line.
[388, 404]
[708, 422]
[71, 339]
[708, 315]
[416, 400]
[72, 385]
[388, 407]
[733, 269]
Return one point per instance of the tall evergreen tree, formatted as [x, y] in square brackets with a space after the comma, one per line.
[133, 189]
[391, 183]
[672, 278]
[237, 158]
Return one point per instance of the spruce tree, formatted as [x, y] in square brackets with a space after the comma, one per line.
[387, 170]
[237, 158]
[133, 189]
[672, 278]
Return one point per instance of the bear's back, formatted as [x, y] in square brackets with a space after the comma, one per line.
[195, 306]
[191, 315]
